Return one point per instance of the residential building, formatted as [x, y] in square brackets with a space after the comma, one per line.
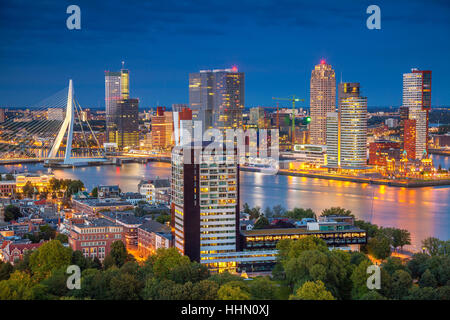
[154, 189]
[205, 202]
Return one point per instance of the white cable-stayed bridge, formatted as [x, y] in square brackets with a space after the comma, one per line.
[45, 132]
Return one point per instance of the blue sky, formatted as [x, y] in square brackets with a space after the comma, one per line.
[276, 44]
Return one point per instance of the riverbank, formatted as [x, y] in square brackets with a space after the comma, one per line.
[393, 183]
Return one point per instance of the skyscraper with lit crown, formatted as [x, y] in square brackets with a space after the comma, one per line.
[322, 100]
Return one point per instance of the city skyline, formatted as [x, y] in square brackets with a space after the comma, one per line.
[160, 70]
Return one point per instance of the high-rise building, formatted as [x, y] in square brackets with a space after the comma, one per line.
[205, 202]
[122, 115]
[257, 117]
[322, 100]
[333, 139]
[183, 126]
[217, 97]
[346, 130]
[124, 131]
[417, 98]
[162, 129]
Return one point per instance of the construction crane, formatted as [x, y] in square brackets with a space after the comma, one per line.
[293, 99]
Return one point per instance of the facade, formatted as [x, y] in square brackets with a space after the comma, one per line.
[308, 153]
[379, 151]
[347, 129]
[152, 236]
[130, 224]
[94, 206]
[182, 126]
[108, 192]
[333, 140]
[205, 203]
[124, 125]
[322, 100]
[409, 138]
[94, 237]
[40, 182]
[155, 189]
[162, 129]
[7, 188]
[13, 252]
[417, 98]
[121, 112]
[217, 97]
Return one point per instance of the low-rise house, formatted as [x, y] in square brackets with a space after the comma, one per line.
[155, 190]
[12, 252]
[132, 197]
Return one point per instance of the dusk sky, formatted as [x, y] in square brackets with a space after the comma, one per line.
[276, 43]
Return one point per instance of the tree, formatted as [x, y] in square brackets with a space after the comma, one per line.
[165, 261]
[427, 280]
[370, 228]
[62, 238]
[300, 213]
[393, 264]
[205, 290]
[28, 189]
[74, 186]
[401, 283]
[255, 213]
[400, 238]
[163, 218]
[224, 277]
[12, 213]
[125, 286]
[419, 293]
[6, 269]
[94, 192]
[246, 208]
[379, 247]
[262, 289]
[117, 256]
[278, 211]
[17, 287]
[336, 211]
[312, 290]
[431, 245]
[359, 279]
[261, 223]
[418, 264]
[234, 290]
[51, 256]
[268, 212]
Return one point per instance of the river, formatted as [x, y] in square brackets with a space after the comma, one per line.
[423, 211]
